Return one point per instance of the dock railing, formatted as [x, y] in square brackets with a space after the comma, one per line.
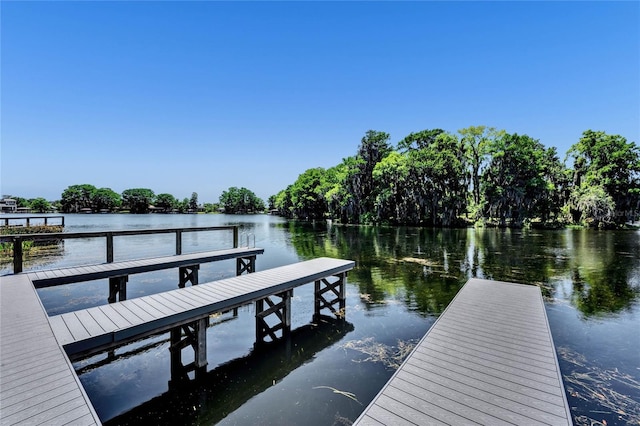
[18, 256]
[27, 220]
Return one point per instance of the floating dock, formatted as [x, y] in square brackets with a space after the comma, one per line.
[489, 359]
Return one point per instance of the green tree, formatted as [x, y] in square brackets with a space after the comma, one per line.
[419, 140]
[40, 205]
[515, 184]
[77, 197]
[240, 200]
[283, 202]
[138, 199]
[166, 201]
[596, 207]
[20, 202]
[307, 194]
[390, 176]
[210, 207]
[340, 203]
[476, 142]
[374, 146]
[193, 202]
[609, 162]
[271, 201]
[183, 206]
[105, 199]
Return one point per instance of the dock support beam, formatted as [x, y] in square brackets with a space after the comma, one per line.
[118, 288]
[245, 264]
[335, 304]
[188, 274]
[281, 310]
[194, 335]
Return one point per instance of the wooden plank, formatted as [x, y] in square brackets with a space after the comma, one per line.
[105, 322]
[89, 323]
[150, 305]
[113, 315]
[489, 358]
[162, 304]
[122, 310]
[451, 345]
[149, 309]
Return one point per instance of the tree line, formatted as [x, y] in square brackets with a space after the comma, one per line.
[480, 175]
[88, 198]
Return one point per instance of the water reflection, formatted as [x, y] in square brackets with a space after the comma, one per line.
[227, 387]
[426, 267]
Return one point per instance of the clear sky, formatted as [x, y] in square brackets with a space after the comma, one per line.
[184, 97]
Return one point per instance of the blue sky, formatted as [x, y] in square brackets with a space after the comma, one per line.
[184, 97]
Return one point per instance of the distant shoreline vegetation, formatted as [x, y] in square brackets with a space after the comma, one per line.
[87, 198]
[480, 176]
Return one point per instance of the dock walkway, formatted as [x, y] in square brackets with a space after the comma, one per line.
[38, 384]
[489, 359]
[104, 327]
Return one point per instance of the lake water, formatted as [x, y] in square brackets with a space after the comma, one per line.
[404, 278]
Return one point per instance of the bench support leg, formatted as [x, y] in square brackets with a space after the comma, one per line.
[330, 295]
[245, 264]
[278, 310]
[118, 288]
[188, 274]
[194, 335]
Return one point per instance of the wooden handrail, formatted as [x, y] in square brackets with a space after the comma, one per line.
[17, 239]
[29, 218]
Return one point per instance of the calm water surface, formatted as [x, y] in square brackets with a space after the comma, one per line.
[404, 278]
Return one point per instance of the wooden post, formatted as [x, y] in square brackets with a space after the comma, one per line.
[200, 345]
[178, 241]
[282, 310]
[188, 273]
[235, 237]
[109, 247]
[17, 255]
[245, 264]
[175, 347]
[337, 289]
[194, 335]
[118, 288]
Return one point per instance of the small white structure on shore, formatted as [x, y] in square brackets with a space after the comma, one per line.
[8, 205]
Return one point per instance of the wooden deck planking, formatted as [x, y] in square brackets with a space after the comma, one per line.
[183, 305]
[488, 359]
[43, 392]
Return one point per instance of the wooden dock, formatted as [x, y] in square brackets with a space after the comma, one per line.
[105, 327]
[38, 384]
[489, 359]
